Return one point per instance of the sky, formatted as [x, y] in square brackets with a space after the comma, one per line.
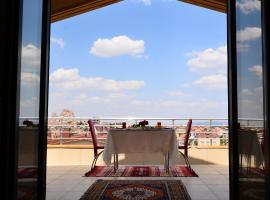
[249, 59]
[140, 58]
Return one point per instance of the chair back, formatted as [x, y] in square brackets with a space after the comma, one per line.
[93, 135]
[188, 129]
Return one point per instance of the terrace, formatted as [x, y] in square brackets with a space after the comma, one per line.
[208, 143]
[69, 155]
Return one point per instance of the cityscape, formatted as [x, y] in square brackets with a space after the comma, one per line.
[67, 129]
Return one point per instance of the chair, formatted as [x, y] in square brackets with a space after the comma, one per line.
[185, 146]
[95, 143]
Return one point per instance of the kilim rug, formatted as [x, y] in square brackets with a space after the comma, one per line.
[140, 171]
[251, 173]
[252, 189]
[27, 172]
[26, 190]
[27, 181]
[136, 190]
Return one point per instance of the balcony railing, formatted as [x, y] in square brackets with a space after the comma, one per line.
[74, 132]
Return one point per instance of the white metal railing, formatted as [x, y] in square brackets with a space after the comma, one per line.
[74, 130]
[59, 126]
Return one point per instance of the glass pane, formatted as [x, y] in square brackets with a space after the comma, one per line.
[250, 100]
[29, 99]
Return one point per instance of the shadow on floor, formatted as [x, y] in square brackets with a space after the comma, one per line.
[148, 159]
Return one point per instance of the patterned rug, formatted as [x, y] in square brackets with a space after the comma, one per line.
[141, 171]
[27, 172]
[27, 181]
[251, 173]
[252, 189]
[136, 190]
[27, 191]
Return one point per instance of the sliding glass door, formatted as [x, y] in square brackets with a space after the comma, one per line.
[248, 145]
[23, 99]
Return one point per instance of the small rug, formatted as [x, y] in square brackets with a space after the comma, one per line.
[251, 173]
[26, 190]
[27, 172]
[141, 171]
[252, 189]
[136, 190]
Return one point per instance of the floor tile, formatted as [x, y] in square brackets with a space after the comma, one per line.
[68, 182]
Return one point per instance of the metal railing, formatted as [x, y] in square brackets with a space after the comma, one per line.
[66, 131]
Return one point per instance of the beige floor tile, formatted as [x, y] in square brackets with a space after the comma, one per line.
[68, 183]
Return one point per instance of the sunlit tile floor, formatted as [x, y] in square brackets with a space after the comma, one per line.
[68, 183]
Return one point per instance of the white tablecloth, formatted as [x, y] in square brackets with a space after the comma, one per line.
[249, 146]
[141, 141]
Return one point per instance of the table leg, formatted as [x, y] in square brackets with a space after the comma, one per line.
[114, 163]
[168, 163]
[165, 161]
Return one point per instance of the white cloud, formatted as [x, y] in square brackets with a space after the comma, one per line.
[62, 74]
[209, 60]
[246, 92]
[184, 109]
[72, 80]
[28, 108]
[28, 103]
[242, 47]
[212, 81]
[184, 85]
[117, 46]
[248, 34]
[179, 94]
[30, 57]
[58, 41]
[248, 6]
[146, 2]
[257, 69]
[127, 105]
[29, 79]
[111, 98]
[251, 101]
[258, 91]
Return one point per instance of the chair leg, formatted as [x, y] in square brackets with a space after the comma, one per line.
[186, 160]
[95, 160]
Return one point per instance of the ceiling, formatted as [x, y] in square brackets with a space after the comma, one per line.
[62, 9]
[217, 5]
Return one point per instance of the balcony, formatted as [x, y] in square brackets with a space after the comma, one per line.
[69, 141]
[69, 155]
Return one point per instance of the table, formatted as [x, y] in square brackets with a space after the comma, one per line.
[249, 146]
[141, 140]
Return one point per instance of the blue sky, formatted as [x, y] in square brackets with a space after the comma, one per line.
[158, 58]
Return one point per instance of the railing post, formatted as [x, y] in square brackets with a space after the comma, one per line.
[210, 129]
[173, 123]
[61, 136]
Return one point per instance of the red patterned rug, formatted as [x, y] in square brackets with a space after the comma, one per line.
[27, 182]
[251, 172]
[140, 171]
[27, 172]
[136, 189]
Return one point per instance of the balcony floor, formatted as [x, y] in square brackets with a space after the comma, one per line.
[67, 183]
